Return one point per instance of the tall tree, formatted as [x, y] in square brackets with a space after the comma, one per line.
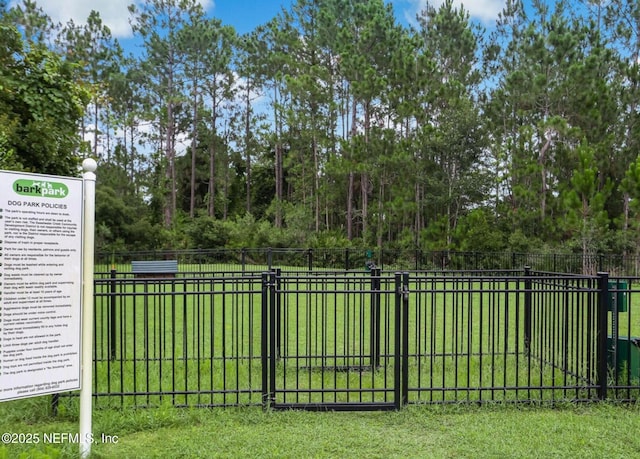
[127, 101]
[220, 92]
[308, 114]
[158, 23]
[192, 42]
[366, 38]
[97, 56]
[553, 90]
[587, 218]
[453, 133]
[36, 26]
[245, 122]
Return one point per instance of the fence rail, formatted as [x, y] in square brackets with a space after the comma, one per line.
[345, 340]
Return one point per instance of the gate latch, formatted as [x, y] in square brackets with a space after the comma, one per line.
[404, 291]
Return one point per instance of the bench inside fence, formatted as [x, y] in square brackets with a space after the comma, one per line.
[154, 268]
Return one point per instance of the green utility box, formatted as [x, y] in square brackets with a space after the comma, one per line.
[627, 355]
[618, 293]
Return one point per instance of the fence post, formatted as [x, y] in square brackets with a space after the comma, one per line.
[112, 317]
[310, 259]
[527, 308]
[264, 335]
[346, 259]
[401, 340]
[405, 338]
[272, 337]
[269, 258]
[375, 319]
[601, 343]
[278, 315]
[397, 390]
[55, 402]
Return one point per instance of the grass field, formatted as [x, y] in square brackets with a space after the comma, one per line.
[493, 431]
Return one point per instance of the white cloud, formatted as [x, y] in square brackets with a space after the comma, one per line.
[485, 11]
[114, 13]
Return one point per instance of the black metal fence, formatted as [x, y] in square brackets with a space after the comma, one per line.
[347, 259]
[187, 341]
[347, 340]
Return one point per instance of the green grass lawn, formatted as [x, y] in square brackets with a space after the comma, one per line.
[491, 431]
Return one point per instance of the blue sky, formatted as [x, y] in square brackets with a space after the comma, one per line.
[244, 15]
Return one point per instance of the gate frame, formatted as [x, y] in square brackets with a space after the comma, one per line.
[271, 336]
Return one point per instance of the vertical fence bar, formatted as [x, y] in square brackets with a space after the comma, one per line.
[112, 317]
[310, 259]
[405, 339]
[612, 305]
[278, 315]
[374, 329]
[272, 336]
[527, 309]
[397, 390]
[603, 293]
[55, 402]
[264, 335]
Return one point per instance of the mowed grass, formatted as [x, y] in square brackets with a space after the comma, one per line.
[490, 431]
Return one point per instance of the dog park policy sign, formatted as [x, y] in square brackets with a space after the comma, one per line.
[40, 284]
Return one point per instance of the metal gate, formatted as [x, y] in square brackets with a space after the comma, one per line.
[335, 341]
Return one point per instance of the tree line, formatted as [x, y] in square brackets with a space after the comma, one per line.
[333, 125]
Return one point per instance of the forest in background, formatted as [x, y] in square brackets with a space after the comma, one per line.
[332, 125]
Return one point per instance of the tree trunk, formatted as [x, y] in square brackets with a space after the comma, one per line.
[95, 131]
[542, 159]
[194, 146]
[364, 191]
[279, 176]
[350, 206]
[170, 174]
[225, 207]
[353, 131]
[316, 183]
[247, 133]
[212, 158]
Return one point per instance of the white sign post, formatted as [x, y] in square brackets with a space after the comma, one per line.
[89, 177]
[46, 287]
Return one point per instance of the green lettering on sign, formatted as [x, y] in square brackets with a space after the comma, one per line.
[43, 189]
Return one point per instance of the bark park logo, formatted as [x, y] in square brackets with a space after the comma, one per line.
[41, 189]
